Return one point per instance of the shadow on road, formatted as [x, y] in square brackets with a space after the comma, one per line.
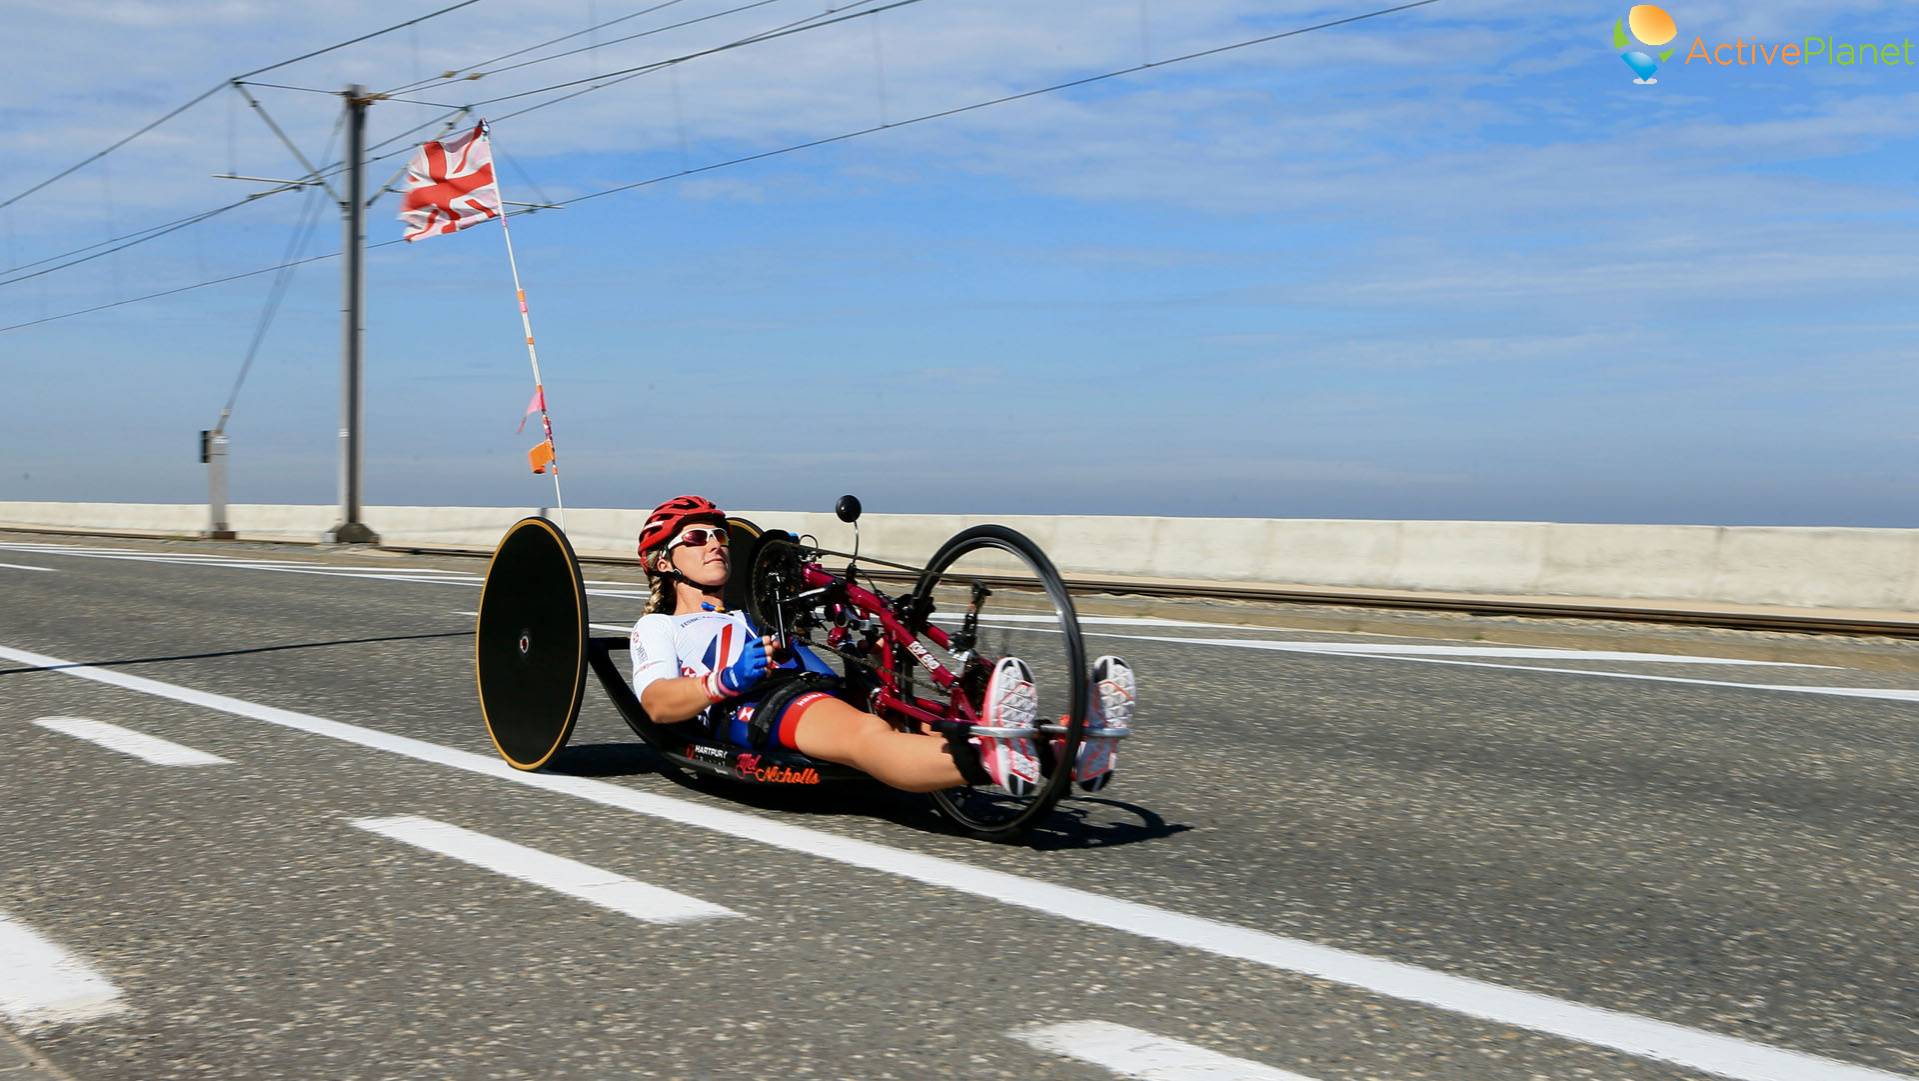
[235, 652]
[609, 760]
[1077, 823]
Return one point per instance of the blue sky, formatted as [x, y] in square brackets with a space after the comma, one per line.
[1448, 263]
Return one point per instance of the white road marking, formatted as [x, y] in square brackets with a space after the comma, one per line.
[1131, 1052]
[557, 873]
[153, 749]
[1890, 694]
[1510, 652]
[378, 574]
[1531, 653]
[1289, 645]
[42, 984]
[25, 567]
[615, 628]
[1109, 621]
[1709, 1052]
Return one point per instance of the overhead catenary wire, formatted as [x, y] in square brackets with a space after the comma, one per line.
[111, 147]
[302, 234]
[311, 170]
[452, 78]
[452, 113]
[276, 293]
[355, 41]
[1003, 99]
[204, 95]
[451, 72]
[762, 155]
[371, 96]
[154, 232]
[138, 238]
[670, 65]
[151, 232]
[452, 116]
[818, 23]
[175, 291]
[589, 48]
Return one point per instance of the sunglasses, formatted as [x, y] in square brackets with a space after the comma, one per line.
[698, 536]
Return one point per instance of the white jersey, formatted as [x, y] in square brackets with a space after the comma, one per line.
[693, 644]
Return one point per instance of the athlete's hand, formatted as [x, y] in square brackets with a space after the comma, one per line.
[755, 659]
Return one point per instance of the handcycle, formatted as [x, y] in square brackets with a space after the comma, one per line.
[919, 659]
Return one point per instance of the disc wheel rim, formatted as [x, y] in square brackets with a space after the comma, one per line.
[530, 644]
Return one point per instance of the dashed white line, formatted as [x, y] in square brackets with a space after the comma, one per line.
[25, 567]
[1709, 1052]
[1131, 1052]
[401, 573]
[557, 873]
[42, 984]
[152, 749]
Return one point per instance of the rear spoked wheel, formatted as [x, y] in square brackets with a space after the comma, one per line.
[999, 596]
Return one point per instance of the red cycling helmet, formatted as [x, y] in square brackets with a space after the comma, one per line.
[667, 518]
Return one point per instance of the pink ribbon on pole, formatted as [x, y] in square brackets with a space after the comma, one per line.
[536, 405]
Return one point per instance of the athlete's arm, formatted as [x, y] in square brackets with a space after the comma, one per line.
[670, 701]
[667, 696]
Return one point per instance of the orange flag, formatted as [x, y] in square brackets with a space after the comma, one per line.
[540, 456]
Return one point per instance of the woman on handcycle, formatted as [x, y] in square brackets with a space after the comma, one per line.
[694, 659]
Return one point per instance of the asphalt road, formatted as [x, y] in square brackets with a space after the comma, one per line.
[1327, 856]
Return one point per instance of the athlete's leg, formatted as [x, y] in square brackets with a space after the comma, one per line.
[835, 731]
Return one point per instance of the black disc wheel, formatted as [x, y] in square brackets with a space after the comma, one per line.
[529, 649]
[997, 593]
[765, 575]
[741, 535]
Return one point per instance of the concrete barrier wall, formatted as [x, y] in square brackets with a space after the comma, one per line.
[1808, 567]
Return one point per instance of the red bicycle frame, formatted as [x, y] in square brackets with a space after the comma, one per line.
[887, 701]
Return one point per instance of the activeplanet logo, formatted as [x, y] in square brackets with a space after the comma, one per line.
[1650, 26]
[1742, 53]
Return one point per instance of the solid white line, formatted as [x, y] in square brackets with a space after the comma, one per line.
[1110, 621]
[153, 749]
[1130, 1052]
[1727, 1056]
[42, 984]
[557, 873]
[1390, 649]
[1890, 694]
[378, 574]
[1514, 653]
[24, 567]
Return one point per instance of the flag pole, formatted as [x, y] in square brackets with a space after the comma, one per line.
[526, 324]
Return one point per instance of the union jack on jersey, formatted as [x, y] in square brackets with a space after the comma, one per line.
[450, 185]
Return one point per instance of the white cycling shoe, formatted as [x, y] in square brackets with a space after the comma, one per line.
[1109, 717]
[1004, 734]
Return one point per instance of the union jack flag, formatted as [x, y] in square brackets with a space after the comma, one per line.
[450, 185]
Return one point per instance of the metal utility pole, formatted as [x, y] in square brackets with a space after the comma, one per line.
[352, 396]
[213, 455]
